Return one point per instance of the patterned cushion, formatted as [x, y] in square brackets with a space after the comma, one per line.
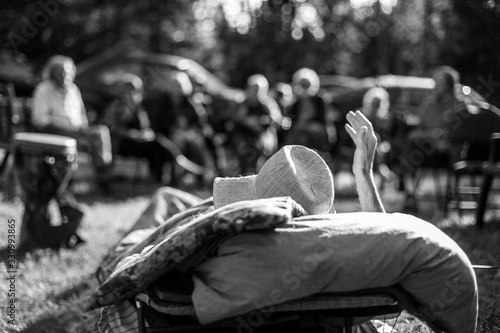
[120, 251]
[138, 271]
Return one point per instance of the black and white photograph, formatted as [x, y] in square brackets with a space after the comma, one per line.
[250, 166]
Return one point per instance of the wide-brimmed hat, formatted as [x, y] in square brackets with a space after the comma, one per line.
[294, 171]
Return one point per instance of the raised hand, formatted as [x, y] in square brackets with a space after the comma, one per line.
[361, 132]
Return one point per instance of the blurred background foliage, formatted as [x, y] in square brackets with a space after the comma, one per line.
[237, 38]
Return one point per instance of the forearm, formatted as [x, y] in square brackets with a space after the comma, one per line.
[369, 197]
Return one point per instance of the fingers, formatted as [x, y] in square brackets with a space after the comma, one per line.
[358, 136]
[351, 132]
[353, 120]
[362, 133]
[358, 119]
[363, 120]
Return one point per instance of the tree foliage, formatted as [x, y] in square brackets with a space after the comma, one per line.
[275, 37]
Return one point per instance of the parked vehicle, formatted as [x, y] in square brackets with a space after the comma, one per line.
[98, 79]
[405, 93]
[17, 71]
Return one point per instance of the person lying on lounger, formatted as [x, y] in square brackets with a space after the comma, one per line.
[321, 251]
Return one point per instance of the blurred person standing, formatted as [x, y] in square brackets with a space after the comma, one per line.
[308, 114]
[253, 126]
[58, 109]
[130, 128]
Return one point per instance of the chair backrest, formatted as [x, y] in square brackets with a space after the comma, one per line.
[474, 129]
[494, 156]
[7, 96]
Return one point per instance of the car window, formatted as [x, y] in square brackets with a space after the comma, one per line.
[110, 72]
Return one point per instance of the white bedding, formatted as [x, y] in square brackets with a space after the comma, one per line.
[339, 252]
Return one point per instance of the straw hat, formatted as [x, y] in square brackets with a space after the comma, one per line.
[294, 171]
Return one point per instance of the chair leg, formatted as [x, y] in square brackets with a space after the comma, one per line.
[141, 173]
[4, 162]
[140, 317]
[457, 194]
[483, 200]
[347, 324]
[417, 175]
[439, 192]
[474, 183]
[448, 189]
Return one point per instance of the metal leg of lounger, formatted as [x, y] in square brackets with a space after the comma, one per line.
[348, 324]
[140, 317]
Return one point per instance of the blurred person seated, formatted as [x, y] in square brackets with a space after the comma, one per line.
[130, 128]
[438, 110]
[58, 109]
[253, 126]
[428, 144]
[437, 118]
[308, 114]
[375, 107]
[184, 120]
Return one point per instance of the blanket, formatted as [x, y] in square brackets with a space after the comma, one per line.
[339, 252]
[259, 263]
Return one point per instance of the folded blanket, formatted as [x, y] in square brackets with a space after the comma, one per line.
[339, 252]
[172, 243]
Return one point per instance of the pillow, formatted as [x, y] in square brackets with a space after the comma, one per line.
[138, 271]
[146, 237]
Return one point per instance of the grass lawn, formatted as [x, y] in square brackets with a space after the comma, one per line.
[50, 286]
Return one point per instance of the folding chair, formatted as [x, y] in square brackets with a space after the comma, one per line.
[384, 303]
[7, 96]
[489, 170]
[475, 136]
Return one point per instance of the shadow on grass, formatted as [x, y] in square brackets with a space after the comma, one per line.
[82, 289]
[68, 320]
[46, 325]
[71, 315]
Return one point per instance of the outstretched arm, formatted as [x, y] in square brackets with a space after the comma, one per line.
[361, 132]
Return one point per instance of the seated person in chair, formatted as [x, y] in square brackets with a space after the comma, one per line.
[310, 126]
[58, 109]
[182, 118]
[131, 133]
[437, 110]
[375, 107]
[322, 252]
[253, 127]
[438, 117]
